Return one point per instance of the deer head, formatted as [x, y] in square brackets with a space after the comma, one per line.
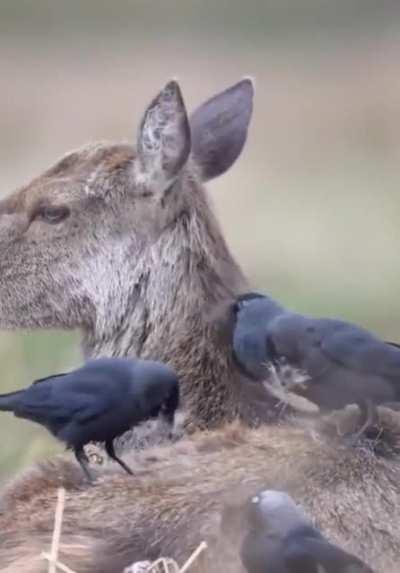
[118, 240]
[70, 239]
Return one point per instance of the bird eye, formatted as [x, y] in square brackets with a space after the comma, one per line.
[52, 215]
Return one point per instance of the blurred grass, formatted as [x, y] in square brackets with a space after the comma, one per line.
[24, 357]
[312, 208]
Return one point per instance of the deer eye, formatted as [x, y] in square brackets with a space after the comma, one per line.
[52, 215]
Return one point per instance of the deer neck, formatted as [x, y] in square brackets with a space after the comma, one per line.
[163, 306]
[168, 308]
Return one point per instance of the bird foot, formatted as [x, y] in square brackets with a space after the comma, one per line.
[370, 420]
[83, 461]
[352, 440]
[94, 454]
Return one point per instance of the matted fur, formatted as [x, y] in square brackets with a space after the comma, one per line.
[179, 492]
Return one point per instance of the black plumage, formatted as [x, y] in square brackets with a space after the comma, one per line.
[98, 402]
[279, 538]
[330, 362]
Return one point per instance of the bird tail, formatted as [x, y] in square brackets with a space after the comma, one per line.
[10, 401]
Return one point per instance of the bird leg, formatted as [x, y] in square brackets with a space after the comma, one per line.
[369, 416]
[110, 451]
[83, 462]
[368, 413]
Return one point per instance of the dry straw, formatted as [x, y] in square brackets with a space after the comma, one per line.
[162, 565]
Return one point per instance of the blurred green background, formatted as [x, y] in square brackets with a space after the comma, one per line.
[311, 210]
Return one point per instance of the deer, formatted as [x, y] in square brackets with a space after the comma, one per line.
[119, 241]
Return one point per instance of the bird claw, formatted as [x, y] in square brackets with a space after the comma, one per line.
[93, 454]
[353, 440]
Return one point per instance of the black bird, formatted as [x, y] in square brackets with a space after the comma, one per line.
[330, 362]
[98, 402]
[281, 539]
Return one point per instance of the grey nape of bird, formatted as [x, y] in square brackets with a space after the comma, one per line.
[280, 538]
[98, 402]
[330, 362]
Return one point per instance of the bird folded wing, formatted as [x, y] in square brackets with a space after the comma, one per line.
[52, 407]
[39, 380]
[90, 409]
[361, 351]
[320, 556]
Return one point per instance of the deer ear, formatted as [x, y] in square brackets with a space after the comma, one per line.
[219, 128]
[163, 143]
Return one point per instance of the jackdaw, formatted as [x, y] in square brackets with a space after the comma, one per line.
[330, 362]
[98, 402]
[280, 538]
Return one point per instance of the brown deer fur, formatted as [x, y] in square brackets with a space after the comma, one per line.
[179, 492]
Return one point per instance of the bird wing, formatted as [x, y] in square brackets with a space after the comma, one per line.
[46, 404]
[355, 348]
[81, 404]
[39, 380]
[90, 409]
[299, 560]
[310, 555]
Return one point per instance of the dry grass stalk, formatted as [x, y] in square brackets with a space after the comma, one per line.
[194, 556]
[51, 557]
[166, 565]
[162, 565]
[58, 564]
[55, 542]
